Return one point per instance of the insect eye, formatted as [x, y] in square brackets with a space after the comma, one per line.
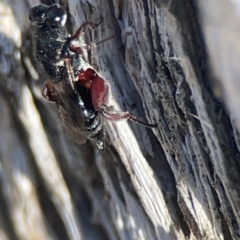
[55, 15]
[37, 14]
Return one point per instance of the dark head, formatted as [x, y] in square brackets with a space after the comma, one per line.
[53, 15]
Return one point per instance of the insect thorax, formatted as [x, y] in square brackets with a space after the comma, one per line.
[48, 46]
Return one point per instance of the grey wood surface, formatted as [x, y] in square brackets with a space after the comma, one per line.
[173, 63]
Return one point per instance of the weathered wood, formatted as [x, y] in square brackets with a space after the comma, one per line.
[178, 181]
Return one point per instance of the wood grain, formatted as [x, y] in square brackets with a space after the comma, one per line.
[173, 63]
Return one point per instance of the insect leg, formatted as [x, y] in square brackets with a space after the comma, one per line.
[99, 87]
[78, 49]
[49, 92]
[124, 116]
[82, 28]
[93, 45]
[99, 92]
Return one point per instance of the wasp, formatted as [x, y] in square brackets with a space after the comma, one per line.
[81, 95]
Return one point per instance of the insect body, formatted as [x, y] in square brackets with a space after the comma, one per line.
[80, 94]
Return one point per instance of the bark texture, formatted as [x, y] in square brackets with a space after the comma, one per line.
[173, 63]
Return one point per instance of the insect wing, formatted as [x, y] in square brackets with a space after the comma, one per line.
[70, 111]
[73, 119]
